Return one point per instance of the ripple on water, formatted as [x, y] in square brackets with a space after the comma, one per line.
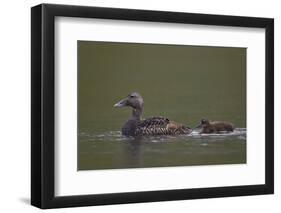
[238, 133]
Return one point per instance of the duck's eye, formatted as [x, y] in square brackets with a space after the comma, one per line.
[132, 96]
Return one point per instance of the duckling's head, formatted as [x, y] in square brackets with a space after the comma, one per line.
[133, 100]
[203, 122]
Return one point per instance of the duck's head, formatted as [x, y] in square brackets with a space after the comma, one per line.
[203, 122]
[133, 100]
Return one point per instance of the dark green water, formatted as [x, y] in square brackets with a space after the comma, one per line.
[182, 83]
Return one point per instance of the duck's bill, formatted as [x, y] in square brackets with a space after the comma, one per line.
[121, 103]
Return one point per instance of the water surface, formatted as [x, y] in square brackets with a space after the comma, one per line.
[112, 150]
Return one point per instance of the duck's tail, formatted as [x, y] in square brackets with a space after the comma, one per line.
[186, 130]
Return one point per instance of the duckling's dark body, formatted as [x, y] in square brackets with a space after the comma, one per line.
[208, 127]
[136, 126]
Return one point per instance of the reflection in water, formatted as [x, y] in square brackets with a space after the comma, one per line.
[133, 151]
[112, 150]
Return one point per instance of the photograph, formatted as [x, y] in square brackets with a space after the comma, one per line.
[142, 105]
[138, 105]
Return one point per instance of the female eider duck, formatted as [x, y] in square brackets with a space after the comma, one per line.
[136, 126]
[214, 126]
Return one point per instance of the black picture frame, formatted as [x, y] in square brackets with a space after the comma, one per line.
[43, 102]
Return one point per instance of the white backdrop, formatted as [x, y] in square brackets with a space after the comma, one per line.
[15, 105]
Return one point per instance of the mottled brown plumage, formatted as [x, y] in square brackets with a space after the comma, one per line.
[136, 126]
[160, 126]
[208, 127]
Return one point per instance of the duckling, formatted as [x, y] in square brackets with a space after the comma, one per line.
[136, 126]
[214, 126]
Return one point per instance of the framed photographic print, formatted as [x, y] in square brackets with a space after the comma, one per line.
[140, 106]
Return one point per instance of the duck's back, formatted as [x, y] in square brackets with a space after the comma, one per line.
[160, 126]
